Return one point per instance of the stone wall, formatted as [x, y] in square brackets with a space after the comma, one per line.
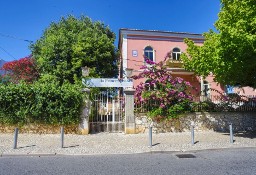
[40, 129]
[204, 121]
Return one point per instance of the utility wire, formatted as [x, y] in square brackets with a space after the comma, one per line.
[7, 53]
[17, 38]
[13, 37]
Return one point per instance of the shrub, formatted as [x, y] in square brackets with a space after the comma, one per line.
[163, 95]
[41, 102]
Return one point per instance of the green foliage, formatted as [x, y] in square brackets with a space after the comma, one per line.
[229, 54]
[163, 95]
[203, 59]
[73, 43]
[42, 102]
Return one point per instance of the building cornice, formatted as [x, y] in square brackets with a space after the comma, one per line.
[157, 33]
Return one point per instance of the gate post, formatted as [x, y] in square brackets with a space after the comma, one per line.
[129, 111]
[84, 124]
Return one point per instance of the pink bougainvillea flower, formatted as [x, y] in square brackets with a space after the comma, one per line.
[143, 67]
[148, 61]
[162, 105]
[166, 94]
[187, 83]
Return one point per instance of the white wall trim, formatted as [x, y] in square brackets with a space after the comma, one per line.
[125, 54]
[164, 39]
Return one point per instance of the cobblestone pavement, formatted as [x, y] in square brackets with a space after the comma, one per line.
[118, 143]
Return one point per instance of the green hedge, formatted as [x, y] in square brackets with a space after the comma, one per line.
[47, 102]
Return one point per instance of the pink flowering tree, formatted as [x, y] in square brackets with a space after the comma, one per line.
[163, 95]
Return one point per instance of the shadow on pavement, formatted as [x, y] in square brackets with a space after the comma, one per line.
[156, 144]
[72, 146]
[25, 146]
[245, 134]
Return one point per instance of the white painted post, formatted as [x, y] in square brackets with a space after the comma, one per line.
[107, 112]
[150, 137]
[231, 133]
[15, 138]
[192, 133]
[62, 137]
[113, 111]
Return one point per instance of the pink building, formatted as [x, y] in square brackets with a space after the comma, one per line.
[134, 44]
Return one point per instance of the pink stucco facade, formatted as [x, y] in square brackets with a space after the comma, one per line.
[132, 44]
[161, 48]
[247, 91]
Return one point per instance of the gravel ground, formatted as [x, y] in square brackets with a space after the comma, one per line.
[118, 143]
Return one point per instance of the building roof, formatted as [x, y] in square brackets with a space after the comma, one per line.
[158, 33]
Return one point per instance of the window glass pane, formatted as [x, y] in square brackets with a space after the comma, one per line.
[206, 88]
[146, 54]
[148, 48]
[176, 50]
[178, 56]
[174, 56]
[151, 56]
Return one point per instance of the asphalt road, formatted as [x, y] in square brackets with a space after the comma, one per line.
[208, 162]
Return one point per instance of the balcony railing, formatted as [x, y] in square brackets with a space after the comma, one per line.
[174, 63]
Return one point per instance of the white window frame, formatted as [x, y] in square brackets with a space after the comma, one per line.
[153, 51]
[206, 88]
[176, 54]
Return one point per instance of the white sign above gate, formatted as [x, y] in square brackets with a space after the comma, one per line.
[108, 82]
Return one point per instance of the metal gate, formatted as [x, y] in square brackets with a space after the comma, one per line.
[107, 113]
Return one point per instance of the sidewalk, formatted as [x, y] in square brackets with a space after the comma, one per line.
[117, 143]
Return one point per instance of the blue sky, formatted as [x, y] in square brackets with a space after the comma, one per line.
[27, 19]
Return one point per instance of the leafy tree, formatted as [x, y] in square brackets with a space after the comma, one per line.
[72, 43]
[229, 53]
[162, 94]
[23, 69]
